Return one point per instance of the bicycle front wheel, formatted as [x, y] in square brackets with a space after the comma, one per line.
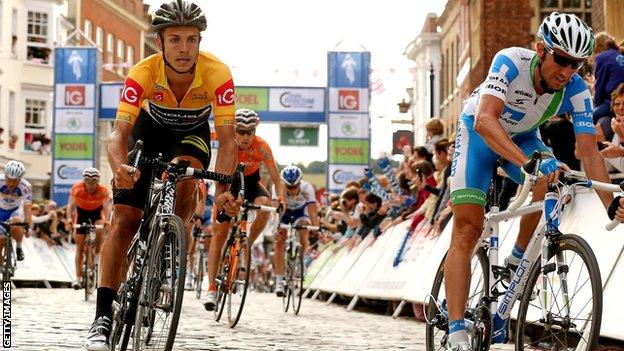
[199, 274]
[437, 313]
[239, 281]
[222, 282]
[161, 298]
[296, 282]
[86, 284]
[288, 268]
[563, 310]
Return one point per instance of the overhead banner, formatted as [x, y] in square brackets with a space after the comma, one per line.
[348, 95]
[74, 132]
[110, 94]
[299, 136]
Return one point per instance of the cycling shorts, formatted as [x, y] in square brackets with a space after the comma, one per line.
[87, 216]
[254, 188]
[296, 216]
[474, 162]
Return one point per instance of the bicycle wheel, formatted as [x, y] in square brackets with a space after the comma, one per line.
[221, 280]
[437, 315]
[199, 274]
[239, 281]
[85, 274]
[8, 259]
[297, 281]
[159, 307]
[288, 264]
[572, 277]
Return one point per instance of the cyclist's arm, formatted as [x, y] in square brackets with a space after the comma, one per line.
[28, 213]
[593, 164]
[227, 154]
[117, 147]
[106, 210]
[487, 125]
[71, 207]
[269, 161]
[313, 212]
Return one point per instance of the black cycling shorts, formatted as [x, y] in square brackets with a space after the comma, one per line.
[171, 143]
[86, 216]
[254, 188]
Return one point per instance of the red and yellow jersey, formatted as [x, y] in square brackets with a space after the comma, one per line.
[86, 200]
[258, 152]
[211, 93]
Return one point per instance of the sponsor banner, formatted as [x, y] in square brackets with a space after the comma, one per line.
[110, 94]
[60, 193]
[348, 69]
[74, 121]
[348, 100]
[401, 138]
[297, 99]
[73, 147]
[75, 65]
[349, 151]
[75, 96]
[347, 126]
[41, 263]
[340, 175]
[299, 136]
[69, 172]
[318, 264]
[256, 99]
[344, 265]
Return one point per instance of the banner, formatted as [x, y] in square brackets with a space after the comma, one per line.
[109, 100]
[299, 136]
[349, 126]
[256, 99]
[340, 175]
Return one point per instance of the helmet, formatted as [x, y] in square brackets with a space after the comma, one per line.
[567, 33]
[291, 175]
[14, 169]
[91, 173]
[178, 13]
[247, 118]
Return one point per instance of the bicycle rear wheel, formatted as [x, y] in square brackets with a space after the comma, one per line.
[239, 281]
[436, 311]
[162, 293]
[572, 300]
[297, 281]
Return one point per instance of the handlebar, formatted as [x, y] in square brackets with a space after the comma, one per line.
[86, 225]
[261, 207]
[301, 227]
[530, 170]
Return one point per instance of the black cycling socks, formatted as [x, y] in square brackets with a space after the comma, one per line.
[104, 304]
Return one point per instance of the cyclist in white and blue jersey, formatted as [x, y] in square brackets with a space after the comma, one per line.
[15, 203]
[523, 89]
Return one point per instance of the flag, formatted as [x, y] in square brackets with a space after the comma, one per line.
[377, 86]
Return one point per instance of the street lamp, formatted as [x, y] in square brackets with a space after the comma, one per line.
[431, 78]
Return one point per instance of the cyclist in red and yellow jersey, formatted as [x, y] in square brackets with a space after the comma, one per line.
[253, 151]
[89, 202]
[166, 101]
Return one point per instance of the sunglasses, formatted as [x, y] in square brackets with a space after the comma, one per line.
[291, 187]
[245, 131]
[564, 61]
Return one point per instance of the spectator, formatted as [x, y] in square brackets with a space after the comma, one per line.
[374, 212]
[614, 150]
[46, 222]
[434, 129]
[609, 73]
[558, 133]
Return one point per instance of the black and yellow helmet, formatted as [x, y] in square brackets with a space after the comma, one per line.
[179, 13]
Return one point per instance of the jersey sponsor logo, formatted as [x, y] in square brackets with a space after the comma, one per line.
[348, 99]
[520, 101]
[523, 93]
[587, 124]
[75, 95]
[131, 92]
[158, 96]
[200, 96]
[225, 94]
[178, 118]
[496, 88]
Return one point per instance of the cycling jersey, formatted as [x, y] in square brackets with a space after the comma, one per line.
[12, 200]
[510, 79]
[259, 152]
[305, 196]
[89, 201]
[210, 93]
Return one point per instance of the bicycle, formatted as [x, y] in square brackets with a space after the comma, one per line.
[550, 256]
[233, 276]
[294, 267]
[10, 262]
[89, 278]
[154, 285]
[200, 266]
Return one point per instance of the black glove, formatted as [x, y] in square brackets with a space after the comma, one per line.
[615, 204]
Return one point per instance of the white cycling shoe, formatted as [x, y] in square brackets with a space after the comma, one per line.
[210, 300]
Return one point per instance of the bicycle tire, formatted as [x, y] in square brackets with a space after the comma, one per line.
[85, 273]
[121, 327]
[297, 281]
[8, 257]
[286, 282]
[222, 274]
[243, 251]
[199, 275]
[578, 245]
[172, 236]
[432, 309]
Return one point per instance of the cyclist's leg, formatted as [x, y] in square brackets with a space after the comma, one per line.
[80, 239]
[219, 235]
[18, 232]
[303, 234]
[99, 240]
[262, 217]
[471, 173]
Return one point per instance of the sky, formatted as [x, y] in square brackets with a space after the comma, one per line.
[285, 43]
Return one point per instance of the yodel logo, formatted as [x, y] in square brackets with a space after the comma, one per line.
[69, 172]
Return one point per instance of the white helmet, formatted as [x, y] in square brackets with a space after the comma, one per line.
[567, 33]
[14, 169]
[247, 118]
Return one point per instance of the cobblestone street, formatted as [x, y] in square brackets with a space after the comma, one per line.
[57, 319]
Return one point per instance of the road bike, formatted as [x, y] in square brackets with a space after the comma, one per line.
[150, 298]
[557, 281]
[294, 270]
[90, 276]
[10, 262]
[200, 262]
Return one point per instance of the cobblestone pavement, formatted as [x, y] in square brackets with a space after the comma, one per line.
[57, 319]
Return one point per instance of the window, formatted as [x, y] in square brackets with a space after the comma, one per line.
[11, 135]
[14, 33]
[88, 28]
[99, 36]
[120, 57]
[34, 113]
[581, 8]
[130, 56]
[110, 47]
[38, 41]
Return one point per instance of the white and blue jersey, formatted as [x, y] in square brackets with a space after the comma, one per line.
[296, 206]
[12, 200]
[510, 79]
